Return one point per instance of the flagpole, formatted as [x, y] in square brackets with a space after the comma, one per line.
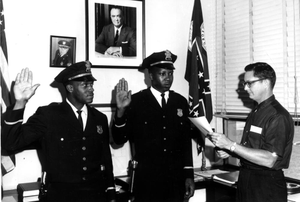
[203, 165]
[197, 75]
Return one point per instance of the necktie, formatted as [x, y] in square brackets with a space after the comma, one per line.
[163, 101]
[80, 118]
[116, 37]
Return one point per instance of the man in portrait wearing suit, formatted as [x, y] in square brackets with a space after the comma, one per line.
[74, 137]
[117, 39]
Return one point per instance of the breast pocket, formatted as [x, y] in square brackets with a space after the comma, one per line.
[255, 139]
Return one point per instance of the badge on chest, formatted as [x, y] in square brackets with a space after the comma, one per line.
[99, 129]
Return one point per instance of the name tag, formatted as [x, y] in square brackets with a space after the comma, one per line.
[255, 129]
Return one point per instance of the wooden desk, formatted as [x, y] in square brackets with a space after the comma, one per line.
[217, 192]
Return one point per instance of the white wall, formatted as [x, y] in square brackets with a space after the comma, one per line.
[29, 25]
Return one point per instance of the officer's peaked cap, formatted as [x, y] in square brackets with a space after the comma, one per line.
[80, 71]
[164, 59]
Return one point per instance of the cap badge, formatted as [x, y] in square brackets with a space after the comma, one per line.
[168, 55]
[88, 67]
[99, 129]
[179, 112]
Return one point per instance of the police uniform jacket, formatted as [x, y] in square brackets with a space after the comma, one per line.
[71, 154]
[161, 139]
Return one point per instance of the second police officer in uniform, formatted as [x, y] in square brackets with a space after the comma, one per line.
[160, 132]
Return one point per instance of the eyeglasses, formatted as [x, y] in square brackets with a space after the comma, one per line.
[249, 83]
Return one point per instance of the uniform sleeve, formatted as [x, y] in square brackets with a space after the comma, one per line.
[16, 135]
[120, 129]
[188, 156]
[108, 166]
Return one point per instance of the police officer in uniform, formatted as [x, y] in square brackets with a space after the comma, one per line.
[160, 132]
[75, 145]
[63, 56]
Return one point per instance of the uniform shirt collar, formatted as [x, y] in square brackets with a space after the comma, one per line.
[83, 109]
[157, 95]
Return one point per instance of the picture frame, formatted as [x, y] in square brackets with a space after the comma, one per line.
[62, 51]
[128, 52]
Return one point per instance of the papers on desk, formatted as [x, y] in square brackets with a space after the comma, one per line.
[198, 178]
[229, 178]
[209, 173]
[202, 124]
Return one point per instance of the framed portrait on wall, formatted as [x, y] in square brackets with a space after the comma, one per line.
[115, 33]
[62, 51]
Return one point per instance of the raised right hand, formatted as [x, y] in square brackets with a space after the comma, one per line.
[23, 88]
[123, 96]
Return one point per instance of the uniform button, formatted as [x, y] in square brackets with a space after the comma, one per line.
[83, 138]
[146, 122]
[84, 168]
[61, 139]
[164, 127]
[83, 148]
[84, 158]
[164, 116]
[165, 150]
[165, 138]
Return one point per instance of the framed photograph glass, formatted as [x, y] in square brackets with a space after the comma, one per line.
[115, 33]
[62, 51]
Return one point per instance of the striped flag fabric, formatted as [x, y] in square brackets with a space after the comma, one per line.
[197, 74]
[7, 162]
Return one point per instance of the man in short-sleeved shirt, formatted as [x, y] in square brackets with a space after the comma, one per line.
[264, 128]
[266, 145]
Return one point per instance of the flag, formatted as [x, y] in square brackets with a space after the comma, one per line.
[197, 74]
[7, 162]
